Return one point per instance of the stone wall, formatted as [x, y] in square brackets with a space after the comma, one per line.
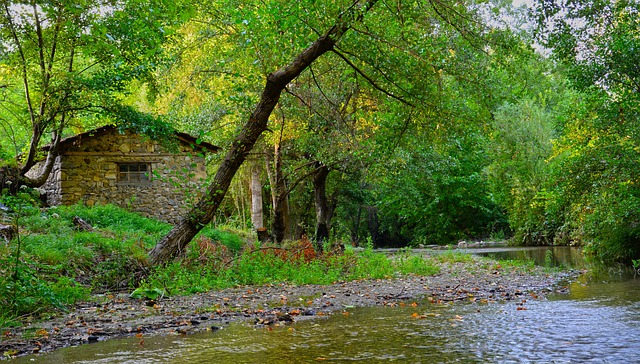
[88, 171]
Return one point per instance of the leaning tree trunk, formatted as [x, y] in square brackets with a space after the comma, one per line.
[200, 215]
[324, 210]
[12, 177]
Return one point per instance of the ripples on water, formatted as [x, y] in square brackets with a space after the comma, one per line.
[599, 322]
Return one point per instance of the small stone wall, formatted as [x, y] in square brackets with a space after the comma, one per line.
[88, 172]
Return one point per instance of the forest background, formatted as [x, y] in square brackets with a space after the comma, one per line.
[399, 123]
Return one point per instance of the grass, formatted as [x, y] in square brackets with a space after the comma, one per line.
[53, 265]
[452, 256]
[267, 266]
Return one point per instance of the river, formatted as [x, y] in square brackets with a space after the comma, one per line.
[598, 321]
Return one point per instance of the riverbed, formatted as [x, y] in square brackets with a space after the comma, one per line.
[596, 318]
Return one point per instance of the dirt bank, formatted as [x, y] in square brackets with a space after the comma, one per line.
[108, 317]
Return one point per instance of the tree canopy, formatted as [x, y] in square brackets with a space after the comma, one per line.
[402, 123]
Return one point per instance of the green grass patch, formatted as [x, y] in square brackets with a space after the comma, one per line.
[452, 256]
[53, 265]
[259, 267]
[229, 239]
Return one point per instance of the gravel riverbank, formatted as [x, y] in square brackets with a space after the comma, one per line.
[111, 316]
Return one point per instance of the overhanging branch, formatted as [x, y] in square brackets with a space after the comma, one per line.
[371, 81]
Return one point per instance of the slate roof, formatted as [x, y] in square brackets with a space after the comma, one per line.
[73, 140]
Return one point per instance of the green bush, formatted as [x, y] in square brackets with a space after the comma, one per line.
[232, 241]
[51, 264]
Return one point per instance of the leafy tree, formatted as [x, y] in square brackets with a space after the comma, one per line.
[519, 174]
[596, 159]
[372, 48]
[64, 62]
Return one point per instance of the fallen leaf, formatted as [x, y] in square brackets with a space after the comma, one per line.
[10, 353]
[414, 304]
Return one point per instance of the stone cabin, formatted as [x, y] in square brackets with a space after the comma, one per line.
[104, 166]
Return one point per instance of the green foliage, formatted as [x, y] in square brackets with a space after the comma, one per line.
[229, 239]
[60, 265]
[595, 197]
[257, 267]
[52, 265]
[147, 293]
[64, 64]
[115, 219]
[436, 193]
[153, 127]
[32, 289]
[452, 256]
[519, 172]
[413, 264]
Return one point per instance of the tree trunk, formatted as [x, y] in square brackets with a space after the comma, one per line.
[324, 210]
[9, 178]
[177, 239]
[373, 224]
[44, 172]
[268, 163]
[257, 216]
[281, 198]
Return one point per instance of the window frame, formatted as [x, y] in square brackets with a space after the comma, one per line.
[131, 173]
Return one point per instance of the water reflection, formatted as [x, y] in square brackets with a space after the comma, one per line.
[598, 321]
[564, 329]
[549, 256]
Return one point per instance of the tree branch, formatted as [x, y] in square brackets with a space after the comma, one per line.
[370, 80]
[199, 216]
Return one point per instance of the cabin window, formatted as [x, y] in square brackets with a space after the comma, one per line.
[134, 173]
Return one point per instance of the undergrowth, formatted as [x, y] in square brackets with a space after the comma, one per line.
[214, 267]
[52, 264]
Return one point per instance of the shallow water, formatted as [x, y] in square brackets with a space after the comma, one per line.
[598, 321]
